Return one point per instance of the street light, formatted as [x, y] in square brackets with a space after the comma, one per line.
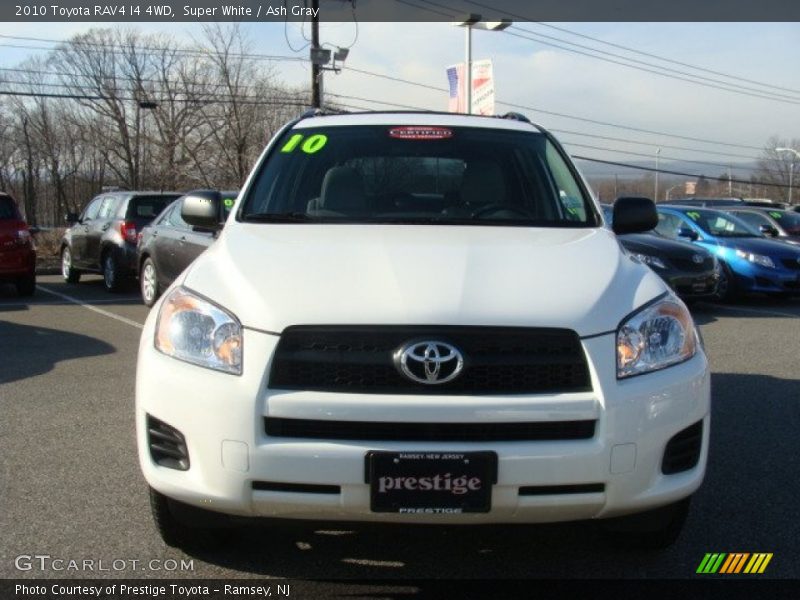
[658, 154]
[142, 105]
[791, 167]
[470, 22]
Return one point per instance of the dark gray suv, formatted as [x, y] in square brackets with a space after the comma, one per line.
[103, 238]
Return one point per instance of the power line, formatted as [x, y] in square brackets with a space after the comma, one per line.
[668, 172]
[629, 49]
[644, 66]
[650, 144]
[669, 60]
[699, 162]
[441, 89]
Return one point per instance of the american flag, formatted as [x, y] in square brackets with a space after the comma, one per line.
[455, 77]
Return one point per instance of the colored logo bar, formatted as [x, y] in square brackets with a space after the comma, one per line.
[734, 562]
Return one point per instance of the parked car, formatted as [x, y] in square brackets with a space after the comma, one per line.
[17, 252]
[750, 262]
[169, 244]
[723, 203]
[404, 321]
[103, 238]
[689, 270]
[779, 224]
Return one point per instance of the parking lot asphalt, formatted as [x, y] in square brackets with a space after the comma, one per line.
[70, 485]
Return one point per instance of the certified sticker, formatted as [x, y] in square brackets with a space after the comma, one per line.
[418, 132]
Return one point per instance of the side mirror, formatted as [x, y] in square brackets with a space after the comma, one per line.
[634, 215]
[202, 209]
[768, 230]
[71, 218]
[688, 232]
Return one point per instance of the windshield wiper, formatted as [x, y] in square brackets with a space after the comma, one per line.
[287, 217]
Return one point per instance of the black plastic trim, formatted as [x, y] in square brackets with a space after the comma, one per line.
[428, 432]
[553, 490]
[297, 488]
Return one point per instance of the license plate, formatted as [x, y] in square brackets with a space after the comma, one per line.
[431, 482]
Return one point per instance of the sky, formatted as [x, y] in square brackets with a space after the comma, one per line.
[549, 79]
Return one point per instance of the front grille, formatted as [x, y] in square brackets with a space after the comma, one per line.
[552, 490]
[167, 445]
[687, 264]
[683, 450]
[497, 360]
[428, 432]
[791, 263]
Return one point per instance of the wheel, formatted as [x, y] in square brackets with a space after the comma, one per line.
[184, 526]
[70, 273]
[26, 285]
[148, 282]
[652, 530]
[726, 286]
[111, 275]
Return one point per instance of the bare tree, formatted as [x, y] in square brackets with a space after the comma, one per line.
[775, 167]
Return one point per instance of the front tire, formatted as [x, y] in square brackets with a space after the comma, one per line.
[70, 273]
[184, 526]
[726, 286]
[655, 529]
[148, 282]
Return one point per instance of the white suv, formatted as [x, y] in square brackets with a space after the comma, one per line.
[419, 318]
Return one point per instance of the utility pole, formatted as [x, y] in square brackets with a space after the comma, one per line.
[316, 69]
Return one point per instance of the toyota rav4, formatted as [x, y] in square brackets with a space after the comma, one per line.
[420, 318]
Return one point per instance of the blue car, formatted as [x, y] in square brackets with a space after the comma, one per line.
[750, 261]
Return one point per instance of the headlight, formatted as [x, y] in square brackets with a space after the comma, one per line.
[659, 335]
[650, 260]
[759, 259]
[193, 329]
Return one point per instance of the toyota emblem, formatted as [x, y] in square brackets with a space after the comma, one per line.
[697, 259]
[429, 362]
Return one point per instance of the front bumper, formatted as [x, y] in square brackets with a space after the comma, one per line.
[755, 278]
[222, 419]
[691, 285]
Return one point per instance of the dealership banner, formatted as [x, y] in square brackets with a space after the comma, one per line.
[482, 88]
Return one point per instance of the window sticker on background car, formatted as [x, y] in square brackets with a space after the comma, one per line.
[228, 202]
[694, 216]
[775, 214]
[312, 145]
[412, 132]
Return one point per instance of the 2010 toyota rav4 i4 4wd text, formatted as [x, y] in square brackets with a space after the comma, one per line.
[419, 318]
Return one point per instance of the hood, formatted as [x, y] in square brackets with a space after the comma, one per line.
[652, 244]
[765, 246]
[273, 276]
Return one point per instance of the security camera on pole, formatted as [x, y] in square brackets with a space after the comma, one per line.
[320, 57]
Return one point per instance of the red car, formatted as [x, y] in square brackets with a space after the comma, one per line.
[17, 254]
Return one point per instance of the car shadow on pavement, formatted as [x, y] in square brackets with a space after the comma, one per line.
[745, 504]
[48, 346]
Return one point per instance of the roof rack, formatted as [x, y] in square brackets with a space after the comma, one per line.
[322, 112]
[515, 116]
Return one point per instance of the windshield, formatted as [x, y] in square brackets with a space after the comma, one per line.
[8, 210]
[790, 221]
[417, 174]
[720, 224]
